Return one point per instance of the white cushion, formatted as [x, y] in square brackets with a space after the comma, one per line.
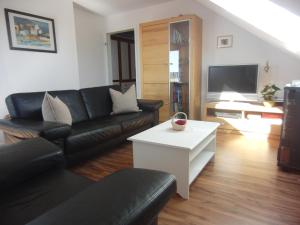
[124, 103]
[54, 110]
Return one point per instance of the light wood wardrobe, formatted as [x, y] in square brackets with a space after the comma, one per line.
[170, 56]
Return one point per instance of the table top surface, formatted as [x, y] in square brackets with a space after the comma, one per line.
[163, 134]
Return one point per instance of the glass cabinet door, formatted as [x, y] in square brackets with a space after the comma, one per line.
[179, 67]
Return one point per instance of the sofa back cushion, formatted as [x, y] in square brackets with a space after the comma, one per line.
[29, 105]
[97, 100]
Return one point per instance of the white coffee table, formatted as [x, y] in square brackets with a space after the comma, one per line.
[182, 153]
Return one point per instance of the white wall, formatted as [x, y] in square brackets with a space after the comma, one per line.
[247, 48]
[91, 47]
[25, 71]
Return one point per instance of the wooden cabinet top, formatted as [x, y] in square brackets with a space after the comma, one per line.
[172, 19]
[244, 106]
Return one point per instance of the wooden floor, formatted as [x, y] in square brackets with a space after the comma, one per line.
[243, 186]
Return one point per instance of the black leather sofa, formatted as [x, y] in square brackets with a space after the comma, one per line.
[36, 190]
[93, 129]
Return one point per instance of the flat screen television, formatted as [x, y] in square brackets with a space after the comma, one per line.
[238, 78]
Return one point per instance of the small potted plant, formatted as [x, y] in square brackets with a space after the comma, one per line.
[268, 93]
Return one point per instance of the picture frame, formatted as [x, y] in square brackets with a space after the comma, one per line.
[225, 41]
[28, 32]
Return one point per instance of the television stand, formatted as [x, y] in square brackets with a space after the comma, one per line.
[245, 117]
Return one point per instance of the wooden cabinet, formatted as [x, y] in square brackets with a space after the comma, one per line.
[245, 118]
[289, 149]
[171, 64]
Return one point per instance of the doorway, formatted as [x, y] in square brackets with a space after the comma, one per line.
[123, 59]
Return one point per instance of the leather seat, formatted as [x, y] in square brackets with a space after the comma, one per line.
[133, 121]
[90, 133]
[95, 132]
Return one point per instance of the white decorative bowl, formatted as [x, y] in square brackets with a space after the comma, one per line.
[179, 124]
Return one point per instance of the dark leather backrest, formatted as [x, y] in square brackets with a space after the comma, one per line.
[97, 100]
[28, 105]
[27, 159]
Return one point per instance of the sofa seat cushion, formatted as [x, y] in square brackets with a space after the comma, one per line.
[91, 133]
[133, 121]
[128, 197]
[33, 198]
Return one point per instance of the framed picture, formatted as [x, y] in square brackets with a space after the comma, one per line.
[225, 41]
[29, 32]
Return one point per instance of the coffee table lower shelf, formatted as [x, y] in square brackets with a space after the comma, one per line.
[199, 163]
[185, 164]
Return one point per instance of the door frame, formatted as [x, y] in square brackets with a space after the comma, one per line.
[137, 55]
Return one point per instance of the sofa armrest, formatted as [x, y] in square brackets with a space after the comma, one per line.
[143, 194]
[149, 105]
[25, 129]
[27, 159]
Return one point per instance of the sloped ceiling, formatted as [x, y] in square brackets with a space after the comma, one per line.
[291, 5]
[275, 21]
[108, 7]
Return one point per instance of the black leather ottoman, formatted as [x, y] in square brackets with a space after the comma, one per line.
[36, 190]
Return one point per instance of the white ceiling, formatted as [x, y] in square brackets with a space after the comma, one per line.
[108, 7]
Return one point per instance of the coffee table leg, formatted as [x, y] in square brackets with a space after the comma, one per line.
[183, 188]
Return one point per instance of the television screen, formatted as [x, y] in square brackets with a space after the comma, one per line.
[241, 78]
